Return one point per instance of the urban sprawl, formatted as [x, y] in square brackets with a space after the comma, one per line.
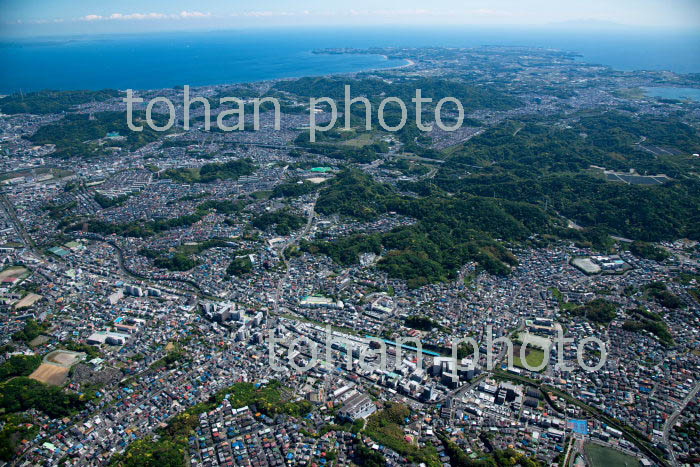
[149, 279]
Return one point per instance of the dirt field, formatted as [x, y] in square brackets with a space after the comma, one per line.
[13, 271]
[586, 265]
[27, 301]
[38, 340]
[317, 180]
[63, 357]
[50, 374]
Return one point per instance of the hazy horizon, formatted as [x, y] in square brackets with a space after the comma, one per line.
[570, 27]
[59, 18]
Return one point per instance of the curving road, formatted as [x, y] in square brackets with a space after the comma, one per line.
[292, 241]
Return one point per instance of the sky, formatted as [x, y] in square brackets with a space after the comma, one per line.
[32, 18]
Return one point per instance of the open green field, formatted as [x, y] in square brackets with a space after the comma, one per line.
[361, 140]
[533, 357]
[602, 456]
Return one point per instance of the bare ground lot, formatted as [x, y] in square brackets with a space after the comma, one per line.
[13, 271]
[586, 265]
[38, 340]
[28, 300]
[64, 357]
[50, 374]
[637, 179]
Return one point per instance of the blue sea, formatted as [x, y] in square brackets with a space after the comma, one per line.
[674, 93]
[159, 60]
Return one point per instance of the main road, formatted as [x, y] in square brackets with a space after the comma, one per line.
[292, 241]
[670, 421]
[12, 216]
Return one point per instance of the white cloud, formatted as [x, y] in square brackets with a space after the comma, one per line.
[385, 13]
[489, 12]
[194, 14]
[264, 14]
[145, 16]
[138, 16]
[427, 12]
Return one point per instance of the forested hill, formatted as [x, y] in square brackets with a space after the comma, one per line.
[471, 96]
[552, 165]
[449, 231]
[651, 213]
[49, 102]
[482, 213]
[611, 140]
[75, 134]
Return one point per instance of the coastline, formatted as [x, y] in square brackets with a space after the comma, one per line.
[409, 63]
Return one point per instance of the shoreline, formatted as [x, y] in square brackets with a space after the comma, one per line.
[409, 63]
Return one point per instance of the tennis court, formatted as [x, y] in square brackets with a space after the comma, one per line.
[579, 426]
